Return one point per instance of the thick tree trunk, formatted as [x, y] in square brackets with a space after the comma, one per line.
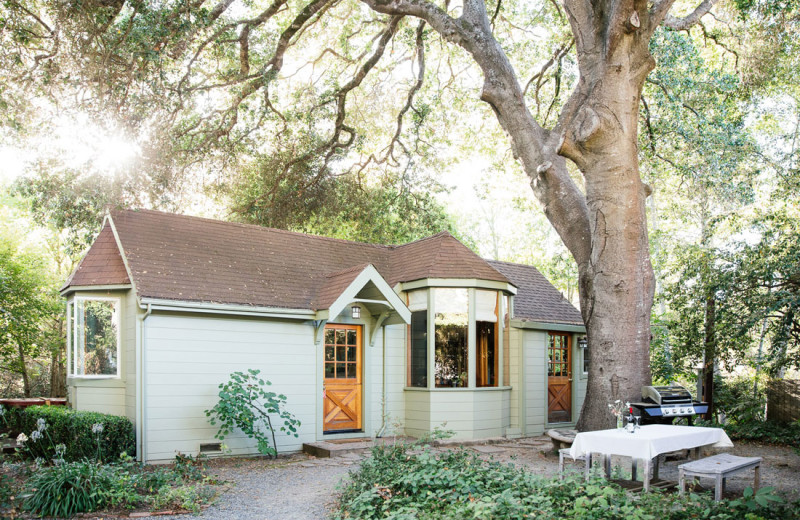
[23, 370]
[709, 354]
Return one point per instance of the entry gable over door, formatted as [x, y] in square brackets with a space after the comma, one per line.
[363, 285]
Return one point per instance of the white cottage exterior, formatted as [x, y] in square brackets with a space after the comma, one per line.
[364, 340]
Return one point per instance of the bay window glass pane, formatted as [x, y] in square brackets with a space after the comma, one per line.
[418, 357]
[452, 321]
[486, 352]
[97, 326]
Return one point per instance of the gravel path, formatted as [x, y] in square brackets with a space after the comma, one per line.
[300, 487]
[294, 488]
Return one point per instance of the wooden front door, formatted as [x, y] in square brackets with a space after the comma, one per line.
[559, 378]
[342, 384]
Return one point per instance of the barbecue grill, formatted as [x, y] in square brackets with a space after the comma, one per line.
[664, 404]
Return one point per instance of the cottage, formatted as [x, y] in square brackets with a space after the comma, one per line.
[363, 339]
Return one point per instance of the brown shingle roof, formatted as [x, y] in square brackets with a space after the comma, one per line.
[333, 286]
[102, 265]
[176, 257]
[440, 256]
[537, 299]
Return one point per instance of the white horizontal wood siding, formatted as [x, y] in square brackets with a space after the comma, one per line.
[469, 414]
[535, 344]
[188, 356]
[391, 412]
[130, 310]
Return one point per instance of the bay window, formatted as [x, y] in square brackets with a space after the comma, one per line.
[94, 323]
[463, 352]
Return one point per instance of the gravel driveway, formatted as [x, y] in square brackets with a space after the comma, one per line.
[300, 487]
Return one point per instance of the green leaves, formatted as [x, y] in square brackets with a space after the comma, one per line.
[246, 405]
[412, 481]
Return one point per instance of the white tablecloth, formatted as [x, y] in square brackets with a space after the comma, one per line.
[648, 441]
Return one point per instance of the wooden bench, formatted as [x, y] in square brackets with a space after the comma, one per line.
[562, 438]
[563, 453]
[719, 467]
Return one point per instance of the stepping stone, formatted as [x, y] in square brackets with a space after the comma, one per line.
[488, 449]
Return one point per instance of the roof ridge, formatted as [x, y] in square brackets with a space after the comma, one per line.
[423, 239]
[250, 226]
[512, 263]
[358, 267]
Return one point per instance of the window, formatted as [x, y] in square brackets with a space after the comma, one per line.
[96, 337]
[452, 323]
[486, 337]
[341, 352]
[418, 362]
[558, 355]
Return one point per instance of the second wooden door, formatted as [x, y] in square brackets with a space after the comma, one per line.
[559, 378]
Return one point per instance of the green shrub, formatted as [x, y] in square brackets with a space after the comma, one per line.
[74, 429]
[67, 489]
[760, 431]
[399, 483]
[245, 404]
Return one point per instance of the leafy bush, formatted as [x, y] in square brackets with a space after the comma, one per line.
[70, 488]
[734, 397]
[74, 429]
[245, 404]
[399, 483]
[760, 431]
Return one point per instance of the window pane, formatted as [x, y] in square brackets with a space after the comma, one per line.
[451, 307]
[340, 353]
[340, 336]
[328, 353]
[351, 353]
[418, 372]
[486, 370]
[351, 337]
[340, 371]
[98, 323]
[351, 370]
[329, 368]
[70, 337]
[329, 336]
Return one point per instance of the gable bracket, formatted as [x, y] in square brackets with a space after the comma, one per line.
[319, 325]
[378, 323]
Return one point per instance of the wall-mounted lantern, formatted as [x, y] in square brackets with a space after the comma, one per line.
[583, 342]
[356, 311]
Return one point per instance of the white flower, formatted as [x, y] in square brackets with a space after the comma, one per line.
[2, 410]
[22, 439]
[97, 428]
[41, 424]
[36, 435]
[61, 449]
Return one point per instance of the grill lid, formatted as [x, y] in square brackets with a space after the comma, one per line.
[672, 394]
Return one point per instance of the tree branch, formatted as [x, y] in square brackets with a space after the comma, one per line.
[681, 24]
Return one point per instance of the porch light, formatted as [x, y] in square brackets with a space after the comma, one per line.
[356, 311]
[583, 343]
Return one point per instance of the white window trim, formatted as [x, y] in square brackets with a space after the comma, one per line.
[74, 337]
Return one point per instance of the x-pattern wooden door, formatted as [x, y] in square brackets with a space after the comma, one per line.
[342, 394]
[559, 378]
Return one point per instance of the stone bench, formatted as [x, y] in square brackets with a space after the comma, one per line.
[562, 438]
[719, 467]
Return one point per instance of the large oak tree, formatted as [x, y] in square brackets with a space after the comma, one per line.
[203, 79]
